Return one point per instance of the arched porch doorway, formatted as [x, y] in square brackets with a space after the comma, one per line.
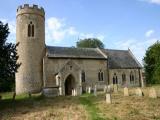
[69, 85]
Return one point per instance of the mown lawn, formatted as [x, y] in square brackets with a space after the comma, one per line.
[85, 107]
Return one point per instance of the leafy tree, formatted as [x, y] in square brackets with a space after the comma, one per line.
[90, 43]
[152, 64]
[8, 58]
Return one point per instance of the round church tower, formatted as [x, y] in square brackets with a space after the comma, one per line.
[30, 34]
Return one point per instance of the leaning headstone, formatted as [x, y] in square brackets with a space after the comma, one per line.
[89, 90]
[115, 88]
[126, 92]
[139, 92]
[152, 93]
[108, 98]
[95, 90]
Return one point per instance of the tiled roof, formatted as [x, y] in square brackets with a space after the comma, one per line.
[119, 59]
[72, 52]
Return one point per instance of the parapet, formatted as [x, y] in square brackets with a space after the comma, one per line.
[32, 9]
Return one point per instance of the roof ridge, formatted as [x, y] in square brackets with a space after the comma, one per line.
[69, 47]
[116, 50]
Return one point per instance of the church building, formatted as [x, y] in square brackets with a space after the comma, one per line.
[60, 70]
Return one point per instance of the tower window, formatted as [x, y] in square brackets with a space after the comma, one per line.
[100, 76]
[30, 30]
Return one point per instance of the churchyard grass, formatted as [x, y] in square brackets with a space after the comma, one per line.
[85, 107]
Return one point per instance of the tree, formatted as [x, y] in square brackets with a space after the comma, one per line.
[152, 64]
[90, 43]
[8, 58]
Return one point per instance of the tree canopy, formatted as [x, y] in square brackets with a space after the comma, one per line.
[90, 43]
[8, 58]
[152, 64]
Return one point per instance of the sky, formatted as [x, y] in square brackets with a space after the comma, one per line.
[119, 24]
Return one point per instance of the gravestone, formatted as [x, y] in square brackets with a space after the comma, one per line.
[115, 88]
[74, 92]
[110, 88]
[126, 92]
[152, 93]
[108, 98]
[95, 90]
[139, 92]
[105, 89]
[60, 90]
[89, 90]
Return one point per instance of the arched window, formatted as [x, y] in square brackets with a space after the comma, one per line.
[131, 78]
[83, 76]
[123, 78]
[100, 76]
[115, 79]
[30, 30]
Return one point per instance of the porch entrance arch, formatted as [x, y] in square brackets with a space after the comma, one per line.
[69, 85]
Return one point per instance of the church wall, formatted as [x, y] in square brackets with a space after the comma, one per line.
[127, 73]
[89, 66]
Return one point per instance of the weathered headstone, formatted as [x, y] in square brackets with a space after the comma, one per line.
[152, 93]
[108, 89]
[111, 88]
[60, 90]
[95, 90]
[105, 89]
[89, 90]
[115, 88]
[139, 92]
[108, 98]
[74, 92]
[126, 91]
[80, 90]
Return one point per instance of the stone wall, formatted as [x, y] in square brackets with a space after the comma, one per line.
[89, 66]
[127, 72]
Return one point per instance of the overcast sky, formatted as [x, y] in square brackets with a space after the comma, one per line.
[119, 24]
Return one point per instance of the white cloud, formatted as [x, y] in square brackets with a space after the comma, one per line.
[72, 31]
[149, 33]
[57, 31]
[152, 1]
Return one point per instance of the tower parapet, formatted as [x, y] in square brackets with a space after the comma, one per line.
[34, 9]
